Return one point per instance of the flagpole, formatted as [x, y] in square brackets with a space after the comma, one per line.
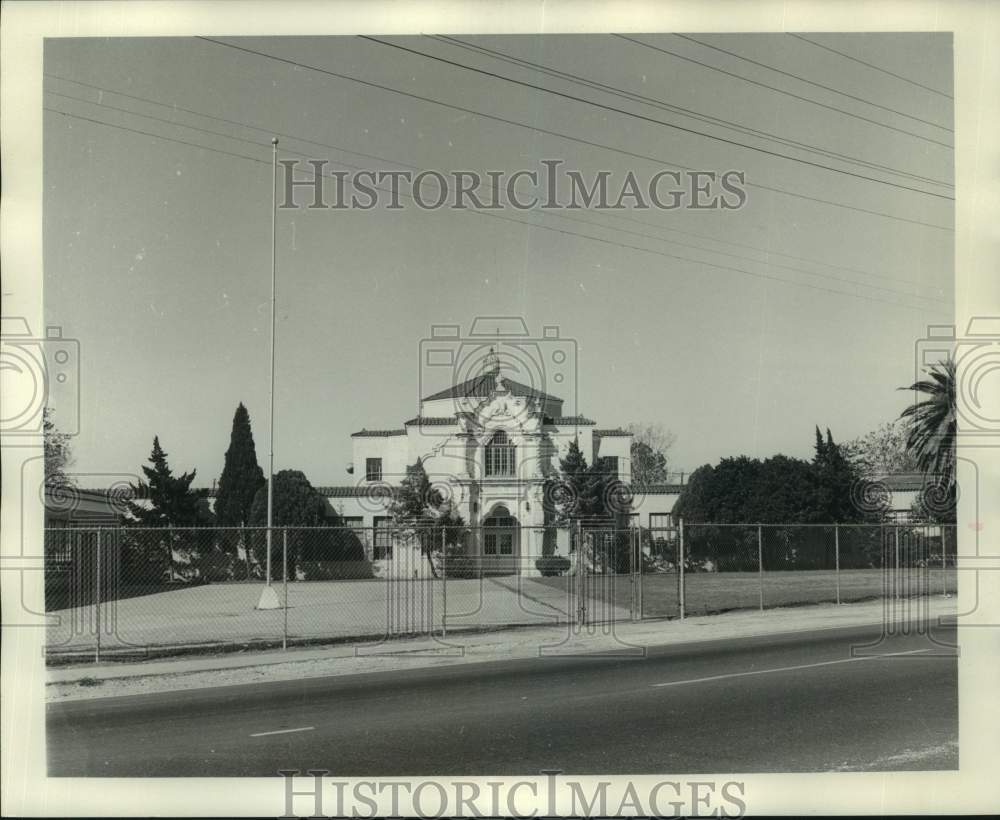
[268, 597]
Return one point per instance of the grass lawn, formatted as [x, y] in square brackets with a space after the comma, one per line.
[709, 592]
[225, 613]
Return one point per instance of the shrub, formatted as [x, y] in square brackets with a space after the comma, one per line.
[553, 565]
[461, 566]
[215, 565]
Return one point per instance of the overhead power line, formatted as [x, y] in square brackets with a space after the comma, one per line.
[753, 274]
[677, 109]
[863, 297]
[653, 120]
[174, 107]
[538, 130]
[777, 90]
[811, 82]
[870, 65]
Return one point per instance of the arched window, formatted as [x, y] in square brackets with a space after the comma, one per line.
[500, 455]
[499, 532]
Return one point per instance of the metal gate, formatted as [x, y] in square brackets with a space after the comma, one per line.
[611, 563]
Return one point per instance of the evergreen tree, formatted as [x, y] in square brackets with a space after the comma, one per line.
[575, 491]
[172, 503]
[416, 500]
[316, 534]
[418, 504]
[241, 475]
[835, 479]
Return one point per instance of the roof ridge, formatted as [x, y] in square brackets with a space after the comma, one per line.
[488, 380]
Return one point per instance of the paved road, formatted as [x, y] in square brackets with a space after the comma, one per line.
[779, 703]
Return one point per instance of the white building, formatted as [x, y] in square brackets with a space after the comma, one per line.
[487, 444]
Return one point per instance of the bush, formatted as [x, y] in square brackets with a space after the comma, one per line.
[553, 565]
[215, 566]
[460, 566]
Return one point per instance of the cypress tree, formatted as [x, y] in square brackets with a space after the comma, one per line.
[241, 475]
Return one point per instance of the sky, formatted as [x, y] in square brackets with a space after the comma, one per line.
[737, 330]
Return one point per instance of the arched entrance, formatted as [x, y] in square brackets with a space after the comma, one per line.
[501, 541]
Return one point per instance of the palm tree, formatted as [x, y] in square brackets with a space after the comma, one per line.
[932, 429]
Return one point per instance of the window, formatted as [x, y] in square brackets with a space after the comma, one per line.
[499, 543]
[355, 522]
[609, 465]
[383, 538]
[373, 469]
[660, 521]
[498, 534]
[500, 455]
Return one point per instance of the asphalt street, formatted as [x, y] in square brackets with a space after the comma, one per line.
[792, 703]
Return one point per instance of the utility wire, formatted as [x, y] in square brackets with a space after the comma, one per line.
[549, 213]
[686, 112]
[653, 120]
[538, 130]
[870, 65]
[864, 297]
[272, 132]
[783, 91]
[810, 82]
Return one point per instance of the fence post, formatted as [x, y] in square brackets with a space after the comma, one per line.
[637, 537]
[246, 549]
[97, 602]
[444, 585]
[895, 575]
[944, 559]
[836, 553]
[680, 569]
[760, 563]
[581, 577]
[284, 587]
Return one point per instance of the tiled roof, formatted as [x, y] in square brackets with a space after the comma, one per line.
[902, 481]
[483, 385]
[428, 420]
[581, 420]
[354, 491]
[659, 489]
[377, 433]
[615, 432]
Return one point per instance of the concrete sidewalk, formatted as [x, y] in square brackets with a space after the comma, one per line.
[192, 672]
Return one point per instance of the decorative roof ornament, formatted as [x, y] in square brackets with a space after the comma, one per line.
[491, 364]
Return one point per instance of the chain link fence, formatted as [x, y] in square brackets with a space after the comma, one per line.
[127, 592]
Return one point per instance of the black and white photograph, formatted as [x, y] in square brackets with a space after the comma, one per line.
[483, 414]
